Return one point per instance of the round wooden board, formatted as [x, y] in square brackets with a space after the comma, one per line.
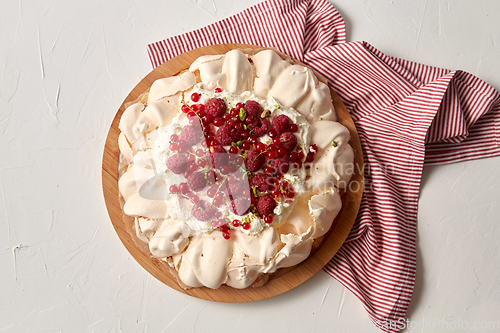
[284, 279]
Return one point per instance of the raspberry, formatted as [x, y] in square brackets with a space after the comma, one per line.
[288, 141]
[265, 205]
[253, 109]
[255, 160]
[236, 188]
[281, 164]
[240, 206]
[191, 135]
[263, 182]
[197, 181]
[280, 123]
[260, 127]
[177, 163]
[215, 107]
[218, 156]
[203, 211]
[225, 135]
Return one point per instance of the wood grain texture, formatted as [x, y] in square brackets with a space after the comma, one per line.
[284, 279]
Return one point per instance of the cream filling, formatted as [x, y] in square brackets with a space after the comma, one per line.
[181, 209]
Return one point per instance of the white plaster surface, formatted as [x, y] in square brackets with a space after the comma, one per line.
[66, 66]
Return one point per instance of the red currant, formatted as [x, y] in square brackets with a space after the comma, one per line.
[281, 151]
[293, 128]
[224, 169]
[174, 137]
[202, 162]
[226, 235]
[275, 193]
[195, 97]
[173, 189]
[269, 169]
[218, 122]
[246, 226]
[218, 90]
[272, 134]
[173, 146]
[245, 145]
[183, 188]
[236, 223]
[268, 219]
[233, 150]
[193, 196]
[193, 167]
[260, 147]
[208, 119]
[211, 193]
[272, 154]
[185, 108]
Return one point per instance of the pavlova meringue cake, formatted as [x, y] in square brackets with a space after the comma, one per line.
[233, 168]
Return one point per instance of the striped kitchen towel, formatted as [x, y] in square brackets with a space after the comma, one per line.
[406, 114]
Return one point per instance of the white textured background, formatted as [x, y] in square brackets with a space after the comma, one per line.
[66, 66]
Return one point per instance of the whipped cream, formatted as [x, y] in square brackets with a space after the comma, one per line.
[181, 209]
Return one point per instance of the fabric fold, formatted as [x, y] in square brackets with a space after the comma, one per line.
[406, 114]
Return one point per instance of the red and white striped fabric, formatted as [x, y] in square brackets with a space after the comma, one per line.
[405, 113]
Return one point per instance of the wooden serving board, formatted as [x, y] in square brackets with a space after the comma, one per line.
[284, 279]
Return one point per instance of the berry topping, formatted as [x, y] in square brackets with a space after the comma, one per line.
[225, 135]
[255, 160]
[263, 182]
[218, 156]
[261, 127]
[253, 109]
[293, 128]
[218, 90]
[266, 205]
[218, 122]
[281, 123]
[203, 211]
[183, 188]
[240, 206]
[177, 163]
[191, 135]
[195, 97]
[281, 164]
[215, 107]
[288, 141]
[197, 181]
[173, 189]
[236, 189]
